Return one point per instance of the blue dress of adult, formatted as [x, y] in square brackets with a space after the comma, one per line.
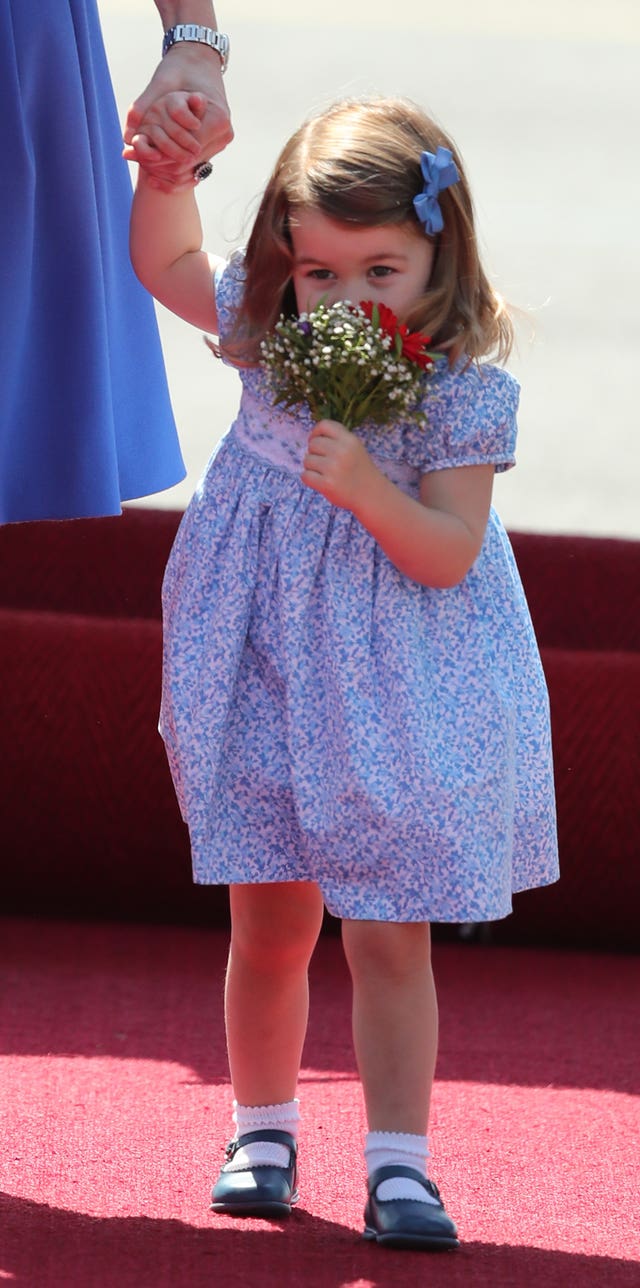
[85, 415]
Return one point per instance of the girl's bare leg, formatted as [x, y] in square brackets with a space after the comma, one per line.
[275, 928]
[395, 1021]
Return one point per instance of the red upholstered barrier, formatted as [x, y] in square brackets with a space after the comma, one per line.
[89, 820]
[94, 567]
[595, 746]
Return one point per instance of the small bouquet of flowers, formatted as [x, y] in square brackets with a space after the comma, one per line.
[347, 362]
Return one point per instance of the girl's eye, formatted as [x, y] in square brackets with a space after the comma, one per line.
[320, 274]
[381, 270]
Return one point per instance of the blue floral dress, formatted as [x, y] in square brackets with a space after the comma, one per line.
[326, 718]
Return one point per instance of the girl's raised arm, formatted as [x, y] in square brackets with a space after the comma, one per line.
[167, 255]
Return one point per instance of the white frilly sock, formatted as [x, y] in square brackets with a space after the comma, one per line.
[284, 1117]
[384, 1148]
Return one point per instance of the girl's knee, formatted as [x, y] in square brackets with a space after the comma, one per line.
[387, 949]
[275, 924]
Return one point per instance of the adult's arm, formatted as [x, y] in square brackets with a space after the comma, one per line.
[169, 140]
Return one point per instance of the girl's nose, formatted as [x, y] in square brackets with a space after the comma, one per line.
[351, 290]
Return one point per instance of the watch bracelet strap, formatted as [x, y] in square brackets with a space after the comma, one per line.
[192, 31]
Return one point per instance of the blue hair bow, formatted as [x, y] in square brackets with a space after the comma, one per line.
[438, 172]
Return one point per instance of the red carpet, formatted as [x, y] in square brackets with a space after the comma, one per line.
[116, 1105]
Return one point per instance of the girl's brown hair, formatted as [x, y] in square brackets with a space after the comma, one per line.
[359, 162]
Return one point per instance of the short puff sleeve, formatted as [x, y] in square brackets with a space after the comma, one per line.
[229, 279]
[470, 420]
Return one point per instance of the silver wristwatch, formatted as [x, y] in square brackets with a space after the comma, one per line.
[201, 35]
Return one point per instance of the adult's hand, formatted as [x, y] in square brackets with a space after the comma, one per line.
[182, 118]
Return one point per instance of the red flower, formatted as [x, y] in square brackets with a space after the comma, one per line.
[387, 320]
[413, 345]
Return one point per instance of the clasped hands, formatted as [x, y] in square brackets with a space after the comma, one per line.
[181, 119]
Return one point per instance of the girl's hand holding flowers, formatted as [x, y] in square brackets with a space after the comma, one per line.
[350, 364]
[338, 465]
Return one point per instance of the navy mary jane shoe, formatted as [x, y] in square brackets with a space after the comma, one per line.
[408, 1223]
[262, 1190]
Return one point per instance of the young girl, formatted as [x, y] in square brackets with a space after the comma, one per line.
[354, 708]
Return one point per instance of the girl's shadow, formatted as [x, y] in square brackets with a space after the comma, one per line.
[45, 1247]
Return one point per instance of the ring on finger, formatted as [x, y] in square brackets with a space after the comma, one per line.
[202, 171]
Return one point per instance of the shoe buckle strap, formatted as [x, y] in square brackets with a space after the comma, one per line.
[393, 1170]
[268, 1134]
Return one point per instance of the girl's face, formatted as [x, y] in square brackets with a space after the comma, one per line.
[389, 264]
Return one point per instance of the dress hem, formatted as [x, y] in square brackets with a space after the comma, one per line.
[472, 918]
